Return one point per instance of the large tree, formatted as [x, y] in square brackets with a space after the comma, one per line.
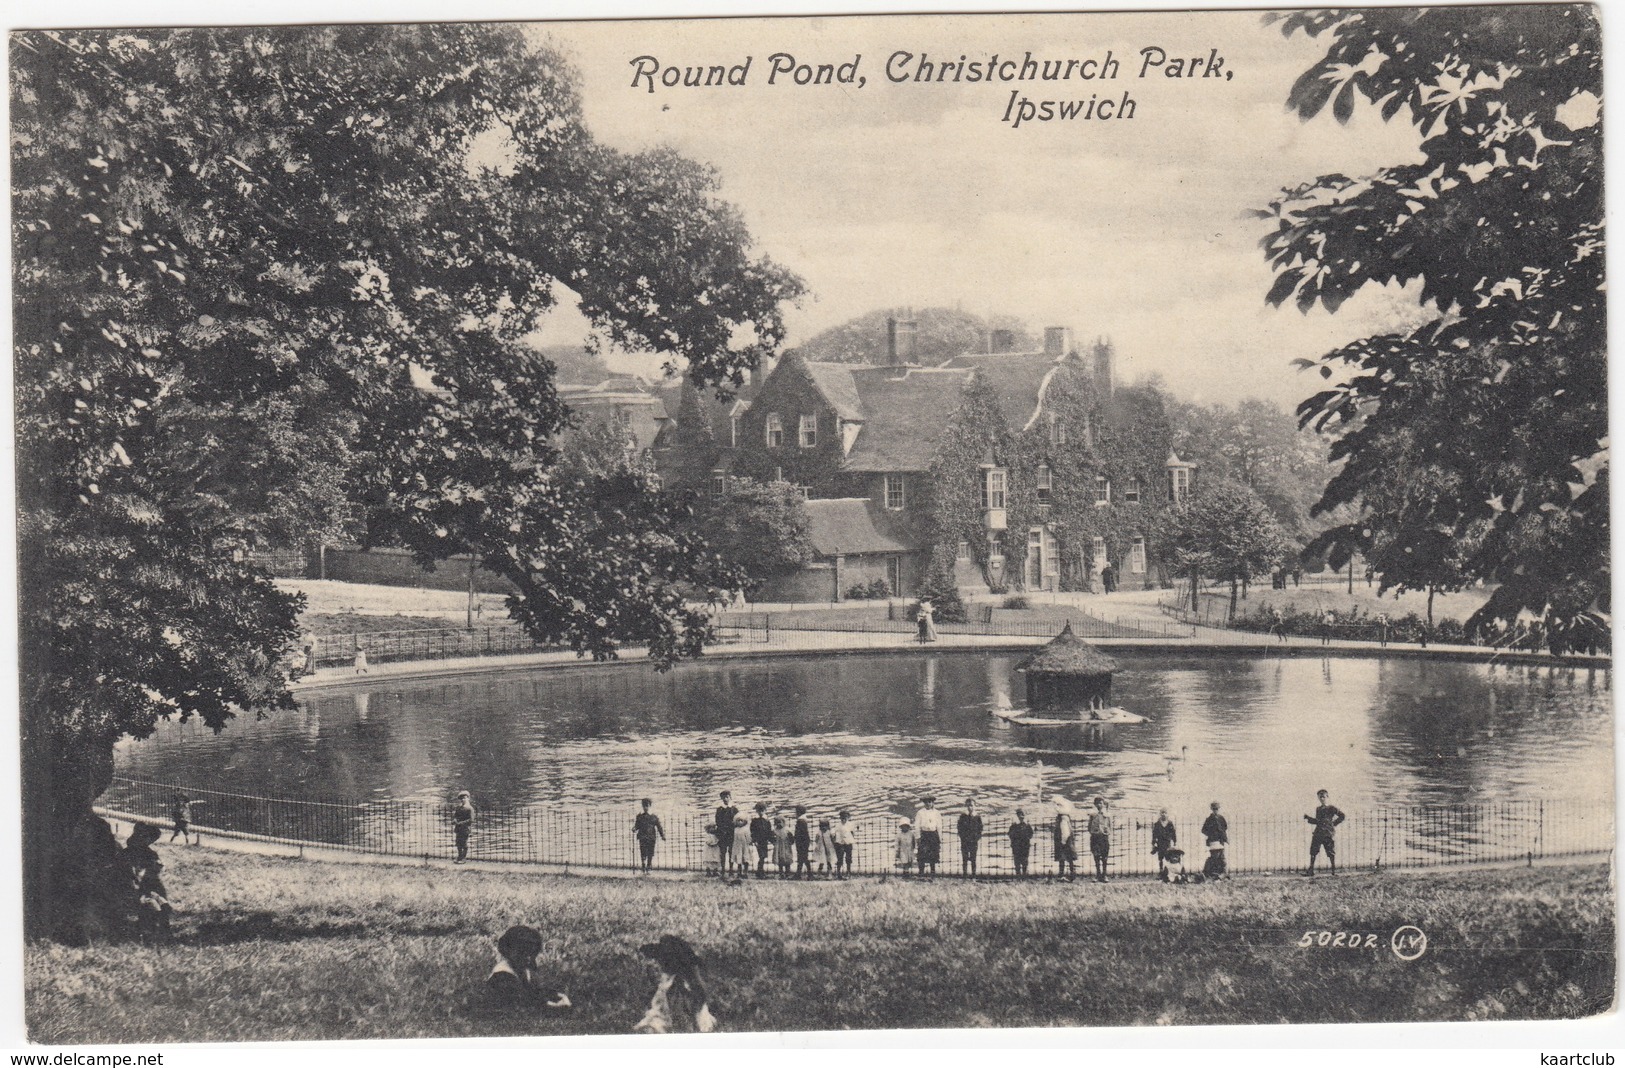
[1225, 531]
[1500, 400]
[231, 250]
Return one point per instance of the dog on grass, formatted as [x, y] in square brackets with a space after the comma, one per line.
[679, 986]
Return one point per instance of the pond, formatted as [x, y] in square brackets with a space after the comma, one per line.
[873, 733]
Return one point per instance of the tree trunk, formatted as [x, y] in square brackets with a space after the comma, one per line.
[1430, 605]
[1196, 595]
[1243, 590]
[77, 886]
[1231, 618]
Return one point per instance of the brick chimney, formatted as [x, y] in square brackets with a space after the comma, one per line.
[1058, 340]
[902, 338]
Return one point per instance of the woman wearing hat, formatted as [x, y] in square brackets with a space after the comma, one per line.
[462, 822]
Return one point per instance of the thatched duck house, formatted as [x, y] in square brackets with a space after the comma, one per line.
[1068, 673]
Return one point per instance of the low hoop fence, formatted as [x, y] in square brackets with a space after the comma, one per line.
[602, 838]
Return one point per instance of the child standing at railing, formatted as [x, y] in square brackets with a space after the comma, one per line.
[907, 842]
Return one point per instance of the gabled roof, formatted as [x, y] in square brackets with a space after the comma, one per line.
[1018, 378]
[905, 415]
[851, 526]
[834, 381]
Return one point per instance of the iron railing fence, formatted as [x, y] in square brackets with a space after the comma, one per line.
[602, 838]
[336, 650]
[769, 626]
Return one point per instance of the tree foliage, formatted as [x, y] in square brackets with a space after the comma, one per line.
[761, 529]
[943, 333]
[1225, 532]
[1485, 428]
[231, 248]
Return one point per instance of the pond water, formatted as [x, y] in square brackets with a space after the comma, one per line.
[874, 733]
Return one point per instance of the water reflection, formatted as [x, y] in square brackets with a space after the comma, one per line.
[873, 733]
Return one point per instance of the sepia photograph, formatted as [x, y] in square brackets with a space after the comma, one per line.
[811, 524]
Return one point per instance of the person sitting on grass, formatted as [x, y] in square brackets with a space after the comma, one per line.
[679, 968]
[152, 900]
[907, 843]
[514, 983]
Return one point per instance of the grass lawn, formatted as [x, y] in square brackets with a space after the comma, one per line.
[270, 949]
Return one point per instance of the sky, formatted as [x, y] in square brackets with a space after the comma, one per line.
[895, 195]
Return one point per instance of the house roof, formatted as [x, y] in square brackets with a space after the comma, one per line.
[1019, 379]
[851, 526]
[1068, 654]
[834, 381]
[905, 415]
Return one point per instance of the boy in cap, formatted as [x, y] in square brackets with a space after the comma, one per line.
[1100, 838]
[646, 825]
[761, 836]
[969, 830]
[462, 823]
[1326, 818]
[1021, 841]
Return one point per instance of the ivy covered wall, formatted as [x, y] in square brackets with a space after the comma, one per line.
[790, 393]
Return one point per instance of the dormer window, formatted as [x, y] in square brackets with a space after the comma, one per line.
[896, 497]
[1179, 483]
[1046, 483]
[809, 431]
[993, 488]
[1131, 492]
[775, 430]
[1103, 491]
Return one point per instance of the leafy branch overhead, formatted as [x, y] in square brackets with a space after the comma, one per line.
[236, 253]
[1487, 425]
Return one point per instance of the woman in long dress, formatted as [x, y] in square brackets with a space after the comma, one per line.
[928, 622]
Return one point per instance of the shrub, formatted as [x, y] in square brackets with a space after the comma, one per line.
[857, 592]
[879, 589]
[1015, 601]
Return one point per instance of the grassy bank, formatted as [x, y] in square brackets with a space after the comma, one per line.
[284, 949]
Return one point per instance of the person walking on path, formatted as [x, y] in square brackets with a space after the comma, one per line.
[761, 836]
[1327, 622]
[181, 816]
[1382, 628]
[646, 825]
[1021, 841]
[842, 837]
[1216, 832]
[803, 840]
[907, 842]
[1164, 837]
[969, 829]
[361, 667]
[928, 822]
[1066, 844]
[1100, 838]
[1326, 818]
[726, 813]
[784, 844]
[462, 823]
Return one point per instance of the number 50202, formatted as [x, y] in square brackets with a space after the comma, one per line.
[1337, 940]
